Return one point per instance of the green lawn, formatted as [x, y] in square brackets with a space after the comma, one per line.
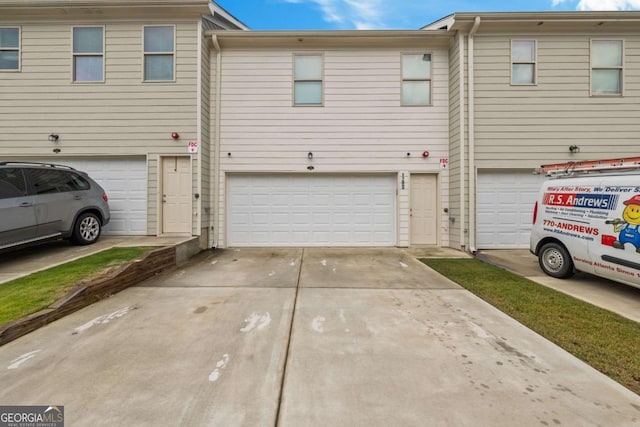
[29, 294]
[606, 341]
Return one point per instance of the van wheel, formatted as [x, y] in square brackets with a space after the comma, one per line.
[86, 229]
[555, 261]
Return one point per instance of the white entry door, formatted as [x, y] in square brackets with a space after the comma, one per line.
[311, 210]
[424, 209]
[176, 195]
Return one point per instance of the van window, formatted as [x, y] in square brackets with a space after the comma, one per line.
[12, 183]
[47, 181]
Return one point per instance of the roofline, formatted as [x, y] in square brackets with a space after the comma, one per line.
[216, 8]
[466, 19]
[438, 23]
[627, 15]
[100, 3]
[329, 34]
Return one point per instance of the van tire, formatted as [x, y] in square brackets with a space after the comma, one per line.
[554, 260]
[87, 229]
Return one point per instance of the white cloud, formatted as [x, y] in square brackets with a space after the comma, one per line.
[602, 4]
[359, 14]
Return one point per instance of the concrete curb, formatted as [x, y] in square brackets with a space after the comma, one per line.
[89, 292]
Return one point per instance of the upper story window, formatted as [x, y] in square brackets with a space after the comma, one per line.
[159, 53]
[416, 79]
[88, 54]
[606, 67]
[523, 62]
[9, 49]
[307, 79]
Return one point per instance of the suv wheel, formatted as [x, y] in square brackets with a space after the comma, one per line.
[86, 229]
[555, 261]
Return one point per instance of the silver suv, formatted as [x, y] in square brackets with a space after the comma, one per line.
[42, 201]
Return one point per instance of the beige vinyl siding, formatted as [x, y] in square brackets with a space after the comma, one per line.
[120, 116]
[362, 128]
[528, 126]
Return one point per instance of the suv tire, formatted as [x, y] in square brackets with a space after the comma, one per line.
[87, 229]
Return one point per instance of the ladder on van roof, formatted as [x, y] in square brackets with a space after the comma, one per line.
[589, 166]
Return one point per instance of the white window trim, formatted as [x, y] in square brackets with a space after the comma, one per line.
[19, 49]
[294, 81]
[145, 53]
[591, 68]
[104, 57]
[430, 79]
[534, 62]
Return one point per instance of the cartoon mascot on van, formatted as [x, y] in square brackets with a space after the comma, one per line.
[629, 225]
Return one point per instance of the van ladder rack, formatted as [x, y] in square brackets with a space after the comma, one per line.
[589, 166]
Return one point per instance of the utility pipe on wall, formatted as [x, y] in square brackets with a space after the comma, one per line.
[215, 236]
[472, 154]
[463, 217]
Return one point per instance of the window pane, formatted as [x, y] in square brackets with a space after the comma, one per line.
[416, 93]
[158, 67]
[87, 40]
[87, 68]
[308, 67]
[9, 60]
[606, 81]
[606, 53]
[523, 50]
[44, 181]
[416, 66]
[158, 39]
[523, 74]
[308, 93]
[12, 183]
[9, 38]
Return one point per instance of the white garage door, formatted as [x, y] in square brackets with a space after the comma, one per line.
[505, 208]
[125, 182]
[295, 210]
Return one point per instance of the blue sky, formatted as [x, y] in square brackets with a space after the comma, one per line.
[388, 14]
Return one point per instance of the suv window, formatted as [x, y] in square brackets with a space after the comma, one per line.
[12, 183]
[46, 181]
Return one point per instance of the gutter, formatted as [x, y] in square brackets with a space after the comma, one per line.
[215, 236]
[472, 150]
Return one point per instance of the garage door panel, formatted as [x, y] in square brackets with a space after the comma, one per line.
[312, 210]
[125, 182]
[505, 203]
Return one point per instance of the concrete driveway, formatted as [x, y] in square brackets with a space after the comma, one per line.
[304, 337]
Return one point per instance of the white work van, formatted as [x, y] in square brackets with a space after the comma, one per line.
[589, 222]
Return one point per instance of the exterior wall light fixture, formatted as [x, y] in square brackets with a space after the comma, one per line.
[574, 149]
[53, 137]
[310, 155]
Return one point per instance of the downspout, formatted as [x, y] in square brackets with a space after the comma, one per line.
[215, 236]
[462, 140]
[472, 151]
[199, 132]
